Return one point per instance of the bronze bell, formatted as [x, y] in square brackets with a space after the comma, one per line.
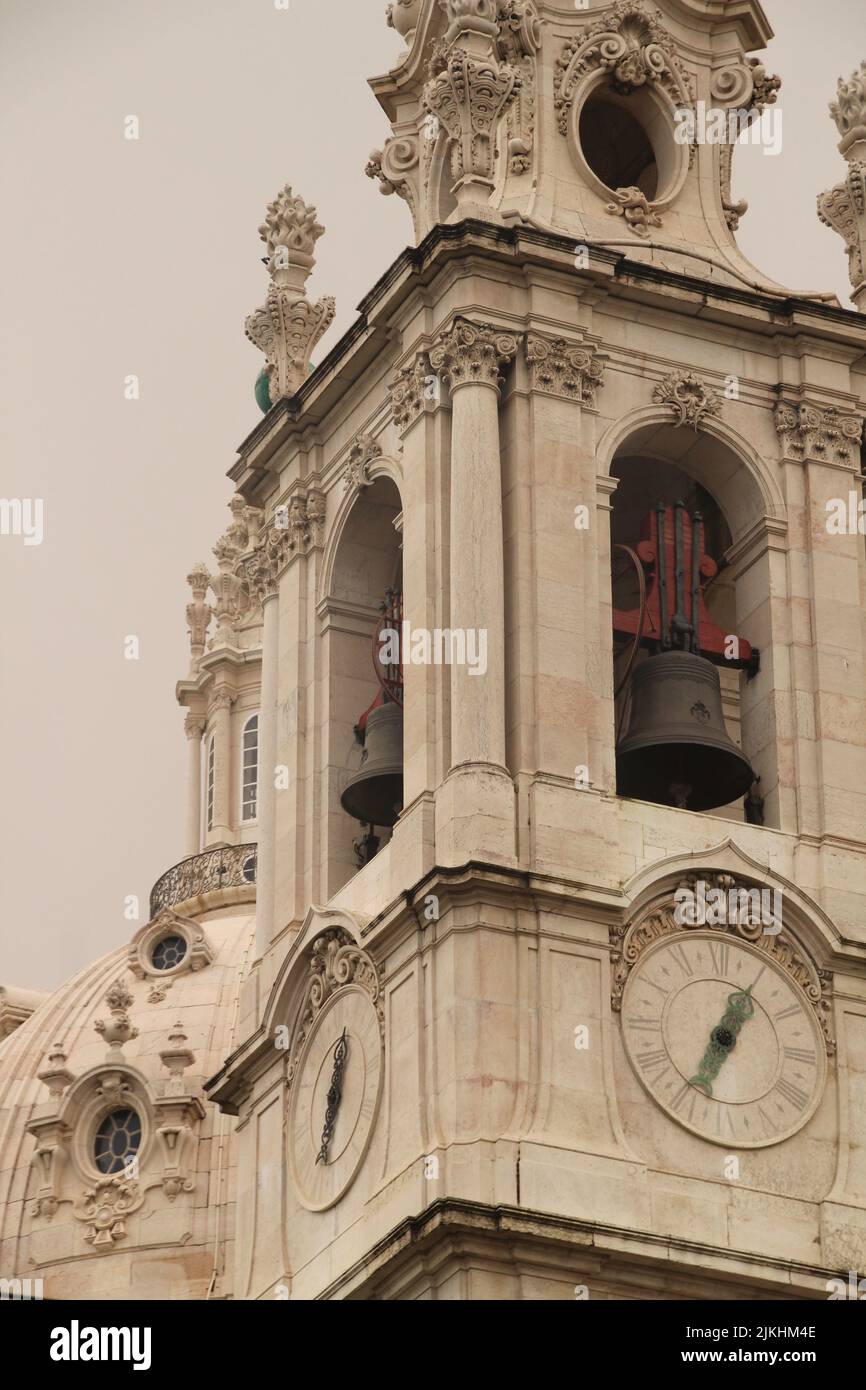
[677, 751]
[374, 794]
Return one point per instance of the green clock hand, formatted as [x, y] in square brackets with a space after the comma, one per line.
[722, 1039]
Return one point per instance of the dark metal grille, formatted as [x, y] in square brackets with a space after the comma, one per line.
[231, 866]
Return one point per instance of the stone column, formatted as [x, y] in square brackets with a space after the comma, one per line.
[267, 761]
[221, 706]
[469, 358]
[194, 727]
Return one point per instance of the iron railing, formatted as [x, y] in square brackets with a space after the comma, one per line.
[229, 866]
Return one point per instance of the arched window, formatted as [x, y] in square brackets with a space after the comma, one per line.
[210, 781]
[250, 769]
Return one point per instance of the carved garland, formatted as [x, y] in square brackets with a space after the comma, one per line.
[336, 961]
[630, 940]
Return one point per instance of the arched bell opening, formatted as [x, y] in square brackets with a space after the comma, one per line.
[682, 659]
[364, 729]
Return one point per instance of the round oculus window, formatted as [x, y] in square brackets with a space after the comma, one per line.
[168, 952]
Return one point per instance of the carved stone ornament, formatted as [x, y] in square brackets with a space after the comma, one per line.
[394, 167]
[691, 400]
[335, 962]
[199, 951]
[287, 327]
[849, 109]
[844, 209]
[630, 44]
[810, 431]
[56, 1075]
[473, 354]
[468, 91]
[519, 41]
[362, 454]
[118, 1030]
[564, 369]
[403, 16]
[631, 204]
[178, 1112]
[411, 390]
[629, 941]
[745, 87]
[104, 1207]
[49, 1161]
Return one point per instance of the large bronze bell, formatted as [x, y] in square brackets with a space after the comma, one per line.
[677, 751]
[374, 794]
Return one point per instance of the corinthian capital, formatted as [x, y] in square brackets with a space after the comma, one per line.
[287, 326]
[473, 354]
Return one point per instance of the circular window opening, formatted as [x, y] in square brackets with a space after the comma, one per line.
[118, 1139]
[616, 146]
[168, 953]
[249, 869]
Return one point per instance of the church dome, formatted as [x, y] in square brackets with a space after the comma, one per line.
[116, 1175]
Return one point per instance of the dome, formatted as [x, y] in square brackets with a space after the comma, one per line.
[116, 1175]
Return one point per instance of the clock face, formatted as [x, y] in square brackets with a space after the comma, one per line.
[723, 1039]
[335, 1098]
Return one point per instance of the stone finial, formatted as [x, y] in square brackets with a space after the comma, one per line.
[287, 327]
[198, 613]
[118, 1030]
[176, 1058]
[849, 112]
[56, 1075]
[403, 15]
[844, 207]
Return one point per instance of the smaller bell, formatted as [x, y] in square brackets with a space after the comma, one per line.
[677, 751]
[374, 794]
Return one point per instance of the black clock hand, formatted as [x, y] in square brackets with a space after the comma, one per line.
[335, 1091]
[722, 1039]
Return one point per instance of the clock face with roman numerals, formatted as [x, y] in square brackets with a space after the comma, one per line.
[723, 1039]
[335, 1098]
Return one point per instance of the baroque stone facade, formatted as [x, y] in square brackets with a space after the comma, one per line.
[480, 1052]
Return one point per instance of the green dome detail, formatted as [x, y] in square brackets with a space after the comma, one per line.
[262, 388]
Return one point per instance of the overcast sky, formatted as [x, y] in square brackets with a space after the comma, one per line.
[123, 257]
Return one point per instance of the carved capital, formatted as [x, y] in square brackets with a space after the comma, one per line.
[362, 454]
[194, 726]
[815, 432]
[560, 368]
[412, 390]
[691, 400]
[473, 354]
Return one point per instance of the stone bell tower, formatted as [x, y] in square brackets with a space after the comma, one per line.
[558, 1024]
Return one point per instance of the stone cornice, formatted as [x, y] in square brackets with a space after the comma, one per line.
[611, 273]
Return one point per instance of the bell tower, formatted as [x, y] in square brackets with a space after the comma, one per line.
[561, 965]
